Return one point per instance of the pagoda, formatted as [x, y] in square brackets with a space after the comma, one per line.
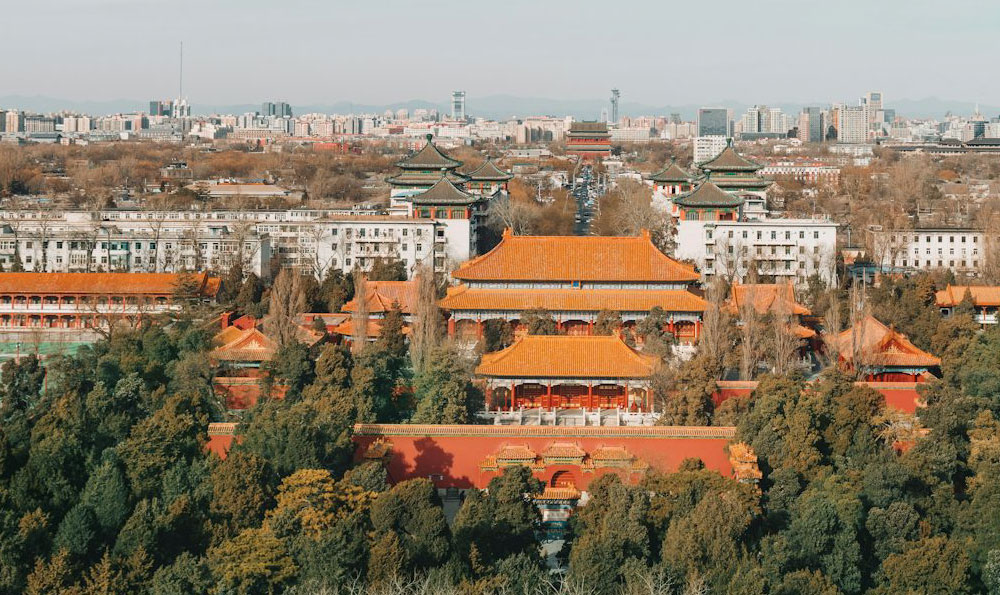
[574, 278]
[423, 169]
[588, 140]
[737, 175]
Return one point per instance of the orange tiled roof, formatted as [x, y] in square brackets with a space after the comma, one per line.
[250, 345]
[611, 453]
[346, 328]
[575, 258]
[564, 450]
[728, 160]
[380, 296]
[163, 284]
[882, 345]
[982, 295]
[766, 297]
[562, 356]
[462, 297]
[516, 452]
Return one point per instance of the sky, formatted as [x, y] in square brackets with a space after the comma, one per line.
[384, 51]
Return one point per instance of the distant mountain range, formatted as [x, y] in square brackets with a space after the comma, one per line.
[491, 106]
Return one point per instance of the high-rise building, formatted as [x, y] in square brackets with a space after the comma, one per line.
[279, 109]
[852, 124]
[615, 97]
[812, 128]
[873, 101]
[714, 121]
[458, 105]
[14, 122]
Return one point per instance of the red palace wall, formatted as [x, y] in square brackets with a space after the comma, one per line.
[452, 456]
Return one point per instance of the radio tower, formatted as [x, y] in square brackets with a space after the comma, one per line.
[615, 95]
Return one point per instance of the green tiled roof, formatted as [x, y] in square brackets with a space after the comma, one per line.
[488, 172]
[429, 157]
[671, 173]
[444, 192]
[708, 194]
[728, 160]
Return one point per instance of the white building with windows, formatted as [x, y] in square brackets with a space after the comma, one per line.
[783, 249]
[961, 250]
[316, 241]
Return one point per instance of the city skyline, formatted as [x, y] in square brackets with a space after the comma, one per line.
[780, 52]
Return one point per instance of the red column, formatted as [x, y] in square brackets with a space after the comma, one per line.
[671, 327]
[547, 402]
[489, 397]
[590, 327]
[559, 326]
[511, 396]
[451, 327]
[590, 395]
[479, 329]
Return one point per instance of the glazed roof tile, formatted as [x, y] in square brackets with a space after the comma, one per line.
[429, 157]
[708, 194]
[463, 297]
[444, 192]
[576, 258]
[563, 356]
[102, 283]
[488, 172]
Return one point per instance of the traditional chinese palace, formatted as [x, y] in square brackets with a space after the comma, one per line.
[985, 301]
[573, 278]
[423, 169]
[569, 372]
[588, 140]
[94, 300]
[883, 354]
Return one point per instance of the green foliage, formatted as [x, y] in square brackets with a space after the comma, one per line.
[538, 321]
[497, 334]
[443, 389]
[409, 531]
[608, 322]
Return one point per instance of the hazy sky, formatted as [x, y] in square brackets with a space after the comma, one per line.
[381, 51]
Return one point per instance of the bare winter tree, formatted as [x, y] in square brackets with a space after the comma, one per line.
[752, 335]
[784, 342]
[831, 327]
[359, 318]
[715, 327]
[426, 322]
[505, 213]
[287, 302]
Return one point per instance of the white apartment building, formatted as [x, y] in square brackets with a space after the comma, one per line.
[168, 241]
[785, 249]
[852, 124]
[707, 147]
[961, 250]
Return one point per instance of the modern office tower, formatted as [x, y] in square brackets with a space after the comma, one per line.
[458, 105]
[615, 97]
[812, 128]
[279, 109]
[714, 121]
[873, 101]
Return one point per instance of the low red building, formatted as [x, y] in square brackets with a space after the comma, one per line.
[565, 458]
[88, 300]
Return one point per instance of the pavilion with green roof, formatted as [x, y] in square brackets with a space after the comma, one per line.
[672, 180]
[708, 202]
[734, 173]
[487, 179]
[423, 169]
